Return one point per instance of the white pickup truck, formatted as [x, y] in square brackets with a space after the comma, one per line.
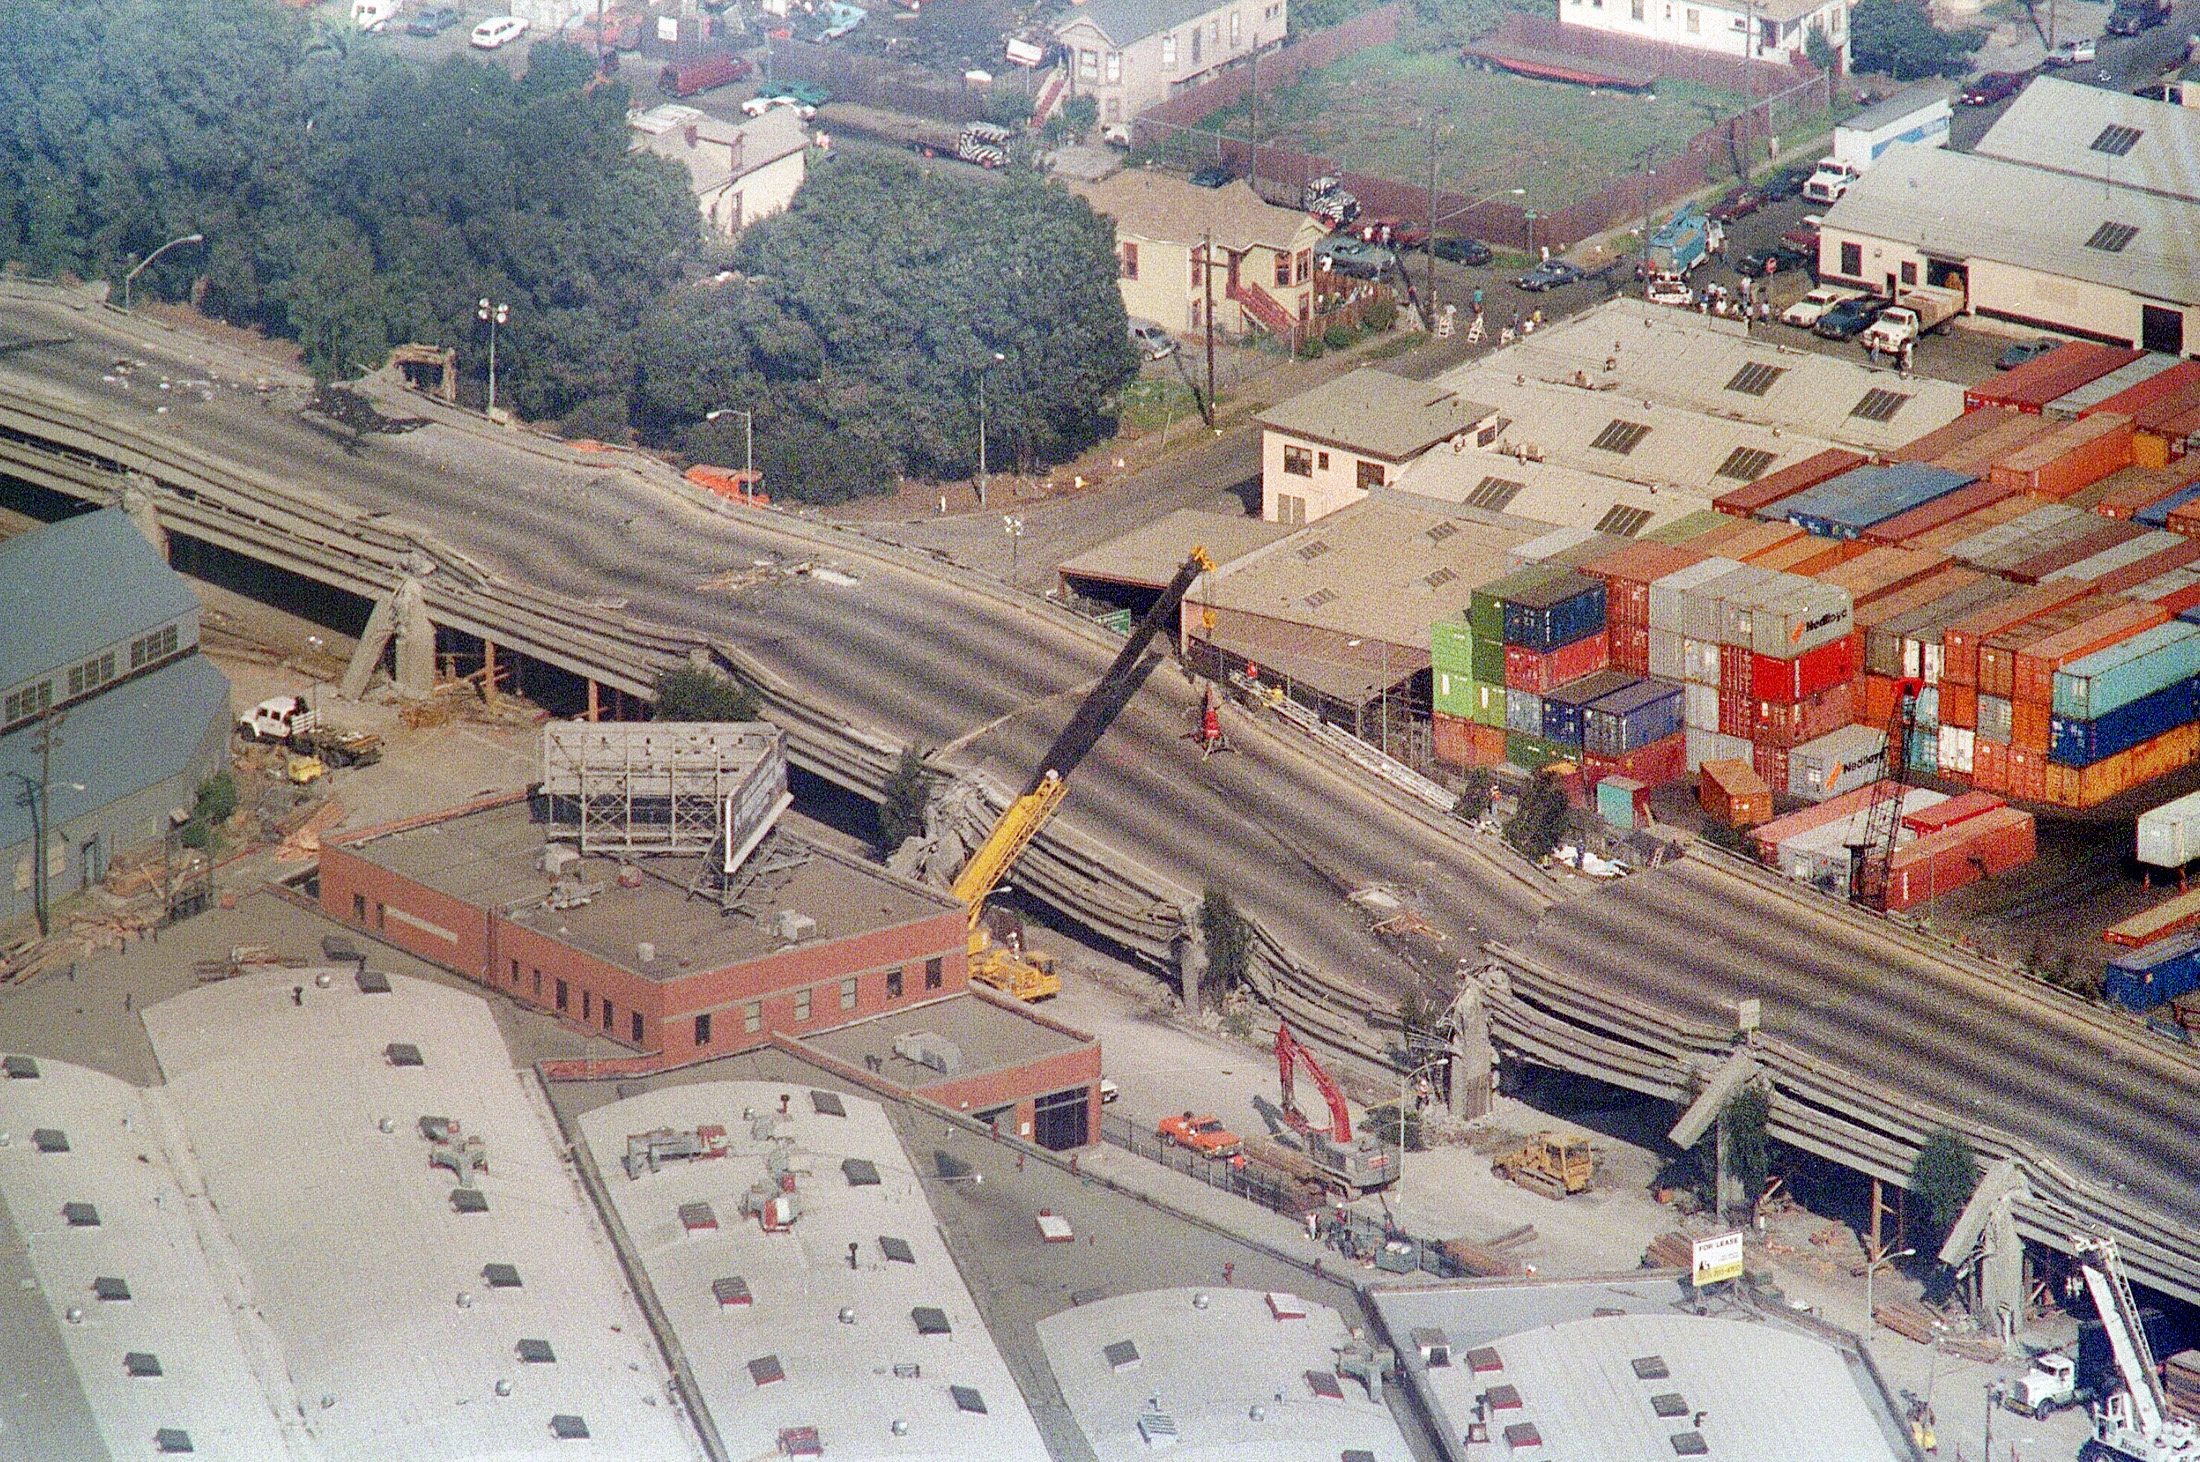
[1831, 180]
[279, 718]
[1915, 314]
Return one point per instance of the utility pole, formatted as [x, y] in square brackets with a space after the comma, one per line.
[40, 803]
[1252, 166]
[1429, 245]
[1207, 279]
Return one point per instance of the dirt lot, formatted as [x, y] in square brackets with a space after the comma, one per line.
[1559, 142]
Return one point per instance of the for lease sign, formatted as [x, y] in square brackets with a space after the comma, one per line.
[1718, 1259]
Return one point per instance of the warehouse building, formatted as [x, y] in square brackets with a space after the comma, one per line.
[2079, 211]
[1327, 448]
[112, 718]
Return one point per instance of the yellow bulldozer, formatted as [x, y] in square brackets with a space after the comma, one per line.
[1549, 1164]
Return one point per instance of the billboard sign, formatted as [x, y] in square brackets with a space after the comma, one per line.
[1717, 1259]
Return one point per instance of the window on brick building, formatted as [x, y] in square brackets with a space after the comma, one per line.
[848, 994]
[359, 907]
[515, 971]
[801, 1005]
[634, 1024]
[588, 1005]
[607, 1015]
[563, 999]
[381, 916]
[932, 974]
[538, 984]
[702, 1029]
[893, 984]
[752, 1017]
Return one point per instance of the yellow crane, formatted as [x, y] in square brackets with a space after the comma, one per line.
[1003, 963]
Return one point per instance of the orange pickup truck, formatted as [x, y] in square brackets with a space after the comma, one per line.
[1204, 1135]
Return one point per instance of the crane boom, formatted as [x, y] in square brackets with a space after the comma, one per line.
[1872, 856]
[2127, 1336]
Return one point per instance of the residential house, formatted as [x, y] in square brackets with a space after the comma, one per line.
[738, 172]
[1263, 255]
[1129, 54]
[1329, 447]
[1774, 30]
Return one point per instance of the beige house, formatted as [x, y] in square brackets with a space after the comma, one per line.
[1129, 54]
[738, 173]
[1263, 255]
[1767, 30]
[1328, 448]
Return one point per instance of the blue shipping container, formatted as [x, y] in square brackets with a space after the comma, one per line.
[1844, 506]
[2156, 515]
[2077, 743]
[2141, 979]
[2122, 673]
[1562, 708]
[1631, 718]
[1569, 607]
[1924, 751]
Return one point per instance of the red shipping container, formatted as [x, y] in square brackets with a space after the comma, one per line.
[2031, 726]
[2177, 601]
[2049, 377]
[1529, 671]
[1744, 502]
[1447, 737]
[1790, 724]
[1960, 643]
[1628, 574]
[1958, 704]
[1954, 857]
[2132, 575]
[1734, 671]
[2110, 534]
[1631, 649]
[2027, 774]
[1939, 512]
[1736, 713]
[2068, 458]
[2035, 664]
[1654, 765]
[1771, 763]
[1989, 765]
[1944, 439]
[2166, 408]
[2160, 385]
[1929, 820]
[1805, 675]
[2138, 486]
[1879, 698]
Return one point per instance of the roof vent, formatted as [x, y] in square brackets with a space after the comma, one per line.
[1157, 1429]
[372, 982]
[556, 858]
[403, 1053]
[20, 1068]
[141, 1363]
[1121, 1356]
[500, 1276]
[897, 1251]
[827, 1104]
[569, 1428]
[535, 1352]
[172, 1441]
[80, 1215]
[50, 1139]
[697, 1217]
[469, 1200]
[931, 1320]
[793, 927]
[731, 1291]
[967, 1399]
[765, 1370]
[929, 1048]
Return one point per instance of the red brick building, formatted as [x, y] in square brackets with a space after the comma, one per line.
[814, 941]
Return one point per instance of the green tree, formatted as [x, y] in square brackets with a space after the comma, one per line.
[1819, 51]
[1229, 938]
[1942, 1178]
[908, 794]
[1748, 1149]
[1898, 37]
[1540, 822]
[691, 693]
[1474, 796]
[214, 804]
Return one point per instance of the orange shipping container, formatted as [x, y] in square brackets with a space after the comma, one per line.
[2037, 662]
[2093, 785]
[1806, 556]
[2031, 725]
[1955, 530]
[1743, 538]
[1978, 455]
[1732, 792]
[2068, 458]
[1958, 705]
[1989, 765]
[1878, 572]
[2027, 774]
[1961, 643]
[1997, 655]
[1745, 501]
[1943, 439]
[1879, 698]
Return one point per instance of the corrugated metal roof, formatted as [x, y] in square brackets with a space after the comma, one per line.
[73, 586]
[1548, 492]
[1898, 106]
[2054, 124]
[2027, 217]
[1148, 556]
[1377, 413]
[140, 733]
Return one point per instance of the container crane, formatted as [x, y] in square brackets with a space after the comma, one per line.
[1005, 965]
[2133, 1422]
[1352, 1167]
[1872, 856]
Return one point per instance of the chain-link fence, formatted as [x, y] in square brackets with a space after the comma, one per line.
[1245, 1182]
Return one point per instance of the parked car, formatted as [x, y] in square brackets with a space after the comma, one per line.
[1462, 251]
[1738, 203]
[1550, 274]
[1203, 1134]
[1669, 289]
[809, 93]
[1403, 234]
[433, 21]
[1355, 258]
[2132, 16]
[757, 106]
[1993, 86]
[1218, 175]
[2023, 351]
[1804, 235]
[1785, 184]
[1850, 318]
[1778, 259]
[497, 32]
[1152, 340]
[2073, 53]
[1812, 307]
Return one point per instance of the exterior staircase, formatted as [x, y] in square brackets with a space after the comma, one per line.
[1266, 310]
[1051, 92]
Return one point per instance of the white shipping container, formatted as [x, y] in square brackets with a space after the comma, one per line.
[1800, 621]
[1995, 718]
[1667, 659]
[1549, 546]
[1669, 595]
[1840, 761]
[1707, 612]
[1699, 661]
[1700, 706]
[1703, 746]
[1958, 746]
[2169, 835]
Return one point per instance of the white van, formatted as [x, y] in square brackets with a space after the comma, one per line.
[373, 15]
[497, 31]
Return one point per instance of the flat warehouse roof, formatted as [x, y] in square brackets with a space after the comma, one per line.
[1148, 556]
[2065, 127]
[1377, 413]
[988, 1036]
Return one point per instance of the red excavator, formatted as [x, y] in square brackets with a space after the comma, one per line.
[1353, 1167]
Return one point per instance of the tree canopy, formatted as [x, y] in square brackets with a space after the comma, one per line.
[1898, 37]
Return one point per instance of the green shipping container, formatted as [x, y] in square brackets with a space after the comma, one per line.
[1533, 751]
[1486, 610]
[1489, 661]
[1451, 645]
[1680, 530]
[1489, 704]
[1455, 693]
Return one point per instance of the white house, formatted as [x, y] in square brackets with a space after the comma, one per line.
[1771, 31]
[738, 173]
[1129, 54]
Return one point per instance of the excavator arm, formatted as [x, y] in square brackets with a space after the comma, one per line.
[1288, 1051]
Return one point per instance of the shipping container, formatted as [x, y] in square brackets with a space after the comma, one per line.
[2141, 979]
[2158, 513]
[1962, 638]
[2160, 386]
[1977, 456]
[1993, 718]
[2027, 774]
[1630, 648]
[2083, 543]
[1631, 718]
[1524, 712]
[2169, 835]
[2019, 538]
[1877, 703]
[1701, 661]
[2167, 407]
[1840, 761]
[1533, 752]
[2090, 786]
[1957, 746]
[1947, 814]
[2047, 377]
[1486, 605]
[2031, 726]
[2141, 484]
[1924, 750]
[2092, 398]
[1562, 704]
[2078, 743]
[1731, 792]
[1882, 572]
[2034, 664]
[1622, 802]
[2071, 456]
[1737, 714]
[1455, 693]
[1943, 439]
[1555, 548]
[1666, 655]
[1958, 705]
[2166, 919]
[1489, 704]
[1997, 653]
[2127, 670]
[1557, 612]
[1740, 539]
[1706, 604]
[2135, 558]
[1745, 501]
[1770, 762]
[1733, 670]
[1878, 621]
[1783, 726]
[1845, 814]
[1685, 529]
[1451, 739]
[1628, 574]
[1670, 596]
[1849, 504]
[1990, 764]
[1653, 765]
[1772, 678]
[1707, 745]
[1806, 557]
[2176, 591]
[1902, 527]
[1945, 537]
[1793, 617]
[1527, 670]
[1700, 706]
[1959, 856]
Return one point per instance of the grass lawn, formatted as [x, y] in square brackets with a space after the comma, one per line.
[1369, 114]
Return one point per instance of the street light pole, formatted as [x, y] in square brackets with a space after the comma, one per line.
[492, 315]
[127, 279]
[748, 444]
[1014, 528]
[1871, 1323]
[37, 797]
